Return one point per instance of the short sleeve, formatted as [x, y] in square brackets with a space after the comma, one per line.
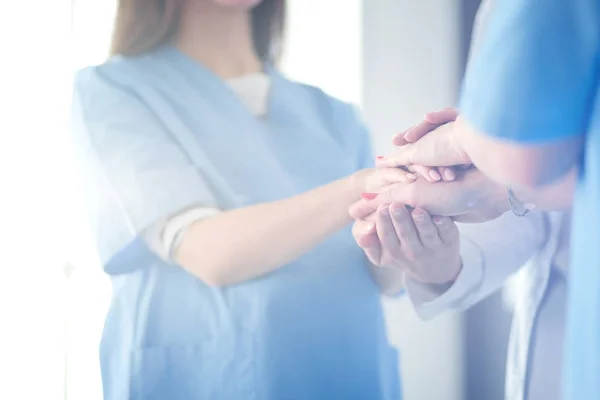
[132, 171]
[534, 73]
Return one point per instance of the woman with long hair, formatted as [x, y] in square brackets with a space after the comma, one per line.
[218, 193]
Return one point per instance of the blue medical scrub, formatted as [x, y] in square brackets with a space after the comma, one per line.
[534, 80]
[159, 133]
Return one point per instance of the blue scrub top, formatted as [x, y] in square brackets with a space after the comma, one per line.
[159, 133]
[535, 79]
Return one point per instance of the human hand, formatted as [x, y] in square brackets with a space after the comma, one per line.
[426, 248]
[430, 122]
[438, 148]
[370, 181]
[470, 198]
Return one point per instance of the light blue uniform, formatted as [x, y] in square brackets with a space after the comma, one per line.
[159, 133]
[535, 79]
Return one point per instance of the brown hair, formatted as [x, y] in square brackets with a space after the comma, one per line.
[142, 26]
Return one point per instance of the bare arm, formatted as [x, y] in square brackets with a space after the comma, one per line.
[451, 144]
[515, 164]
[557, 196]
[245, 243]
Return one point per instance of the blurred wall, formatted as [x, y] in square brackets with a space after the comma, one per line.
[411, 65]
[487, 325]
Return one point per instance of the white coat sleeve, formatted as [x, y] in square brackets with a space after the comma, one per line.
[491, 252]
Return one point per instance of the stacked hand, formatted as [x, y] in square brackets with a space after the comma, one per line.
[411, 226]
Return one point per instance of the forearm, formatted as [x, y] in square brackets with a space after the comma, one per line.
[557, 196]
[389, 279]
[515, 164]
[242, 244]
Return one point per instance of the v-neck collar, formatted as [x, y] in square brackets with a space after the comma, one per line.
[221, 93]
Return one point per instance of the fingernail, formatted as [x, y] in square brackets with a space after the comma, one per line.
[379, 157]
[384, 209]
[368, 196]
[434, 175]
[396, 211]
[418, 216]
[411, 176]
[449, 174]
[438, 220]
[370, 228]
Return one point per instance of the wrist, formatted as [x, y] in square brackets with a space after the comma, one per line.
[457, 272]
[453, 275]
[356, 183]
[499, 199]
[488, 199]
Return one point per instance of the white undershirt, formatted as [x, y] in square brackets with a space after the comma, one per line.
[164, 236]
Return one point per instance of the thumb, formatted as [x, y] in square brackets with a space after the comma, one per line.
[442, 116]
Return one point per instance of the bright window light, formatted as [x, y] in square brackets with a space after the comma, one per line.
[53, 353]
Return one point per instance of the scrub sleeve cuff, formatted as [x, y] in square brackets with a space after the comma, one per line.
[430, 300]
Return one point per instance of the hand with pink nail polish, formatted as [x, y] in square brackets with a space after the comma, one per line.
[369, 182]
[472, 197]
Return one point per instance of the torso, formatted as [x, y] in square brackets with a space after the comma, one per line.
[313, 329]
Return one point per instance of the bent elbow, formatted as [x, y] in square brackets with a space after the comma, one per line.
[211, 272]
[213, 279]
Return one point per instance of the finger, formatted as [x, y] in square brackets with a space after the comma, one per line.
[397, 192]
[437, 149]
[430, 174]
[405, 228]
[361, 228]
[386, 232]
[447, 173]
[447, 229]
[428, 232]
[363, 208]
[365, 235]
[388, 176]
[419, 130]
[398, 138]
[443, 116]
[401, 156]
[382, 177]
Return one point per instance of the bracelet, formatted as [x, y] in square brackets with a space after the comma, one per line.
[518, 208]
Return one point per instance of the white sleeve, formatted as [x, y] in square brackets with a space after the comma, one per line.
[491, 252]
[164, 237]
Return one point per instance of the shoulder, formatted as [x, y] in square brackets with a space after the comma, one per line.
[108, 97]
[115, 74]
[118, 83]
